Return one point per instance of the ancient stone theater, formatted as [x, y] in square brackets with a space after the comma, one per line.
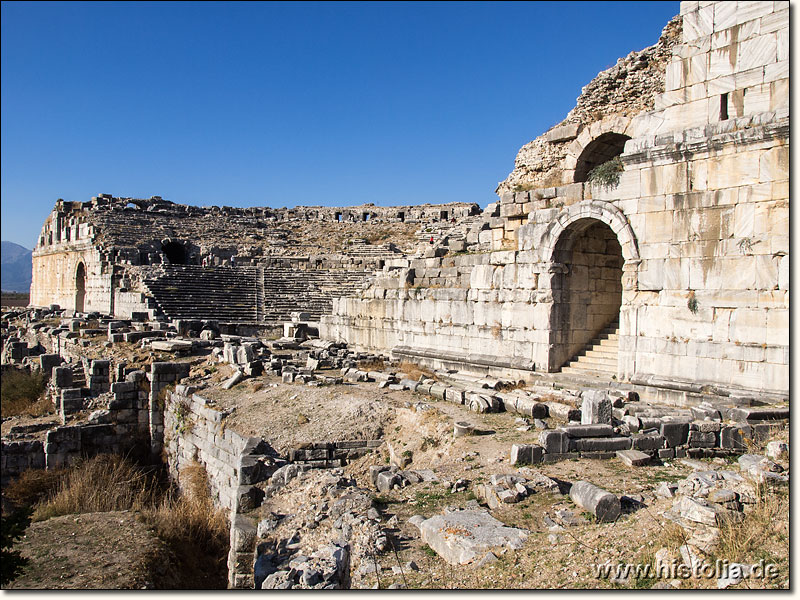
[644, 239]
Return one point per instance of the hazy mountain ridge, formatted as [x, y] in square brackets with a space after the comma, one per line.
[16, 267]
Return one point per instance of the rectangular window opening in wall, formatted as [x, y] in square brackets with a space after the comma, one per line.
[723, 107]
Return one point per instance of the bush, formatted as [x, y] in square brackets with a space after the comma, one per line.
[12, 528]
[22, 393]
[607, 174]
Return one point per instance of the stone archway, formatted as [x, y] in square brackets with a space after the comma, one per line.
[587, 289]
[591, 256]
[80, 288]
[598, 151]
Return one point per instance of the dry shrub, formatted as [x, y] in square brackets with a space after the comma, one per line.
[371, 365]
[414, 371]
[34, 485]
[22, 393]
[101, 484]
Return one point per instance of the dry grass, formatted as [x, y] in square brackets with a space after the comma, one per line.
[34, 485]
[101, 484]
[187, 522]
[191, 526]
[23, 394]
[414, 371]
[763, 534]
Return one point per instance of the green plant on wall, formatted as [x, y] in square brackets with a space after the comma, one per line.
[691, 303]
[607, 174]
[183, 419]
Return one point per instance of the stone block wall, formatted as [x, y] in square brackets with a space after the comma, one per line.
[55, 269]
[161, 376]
[700, 215]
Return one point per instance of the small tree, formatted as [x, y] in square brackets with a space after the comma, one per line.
[11, 530]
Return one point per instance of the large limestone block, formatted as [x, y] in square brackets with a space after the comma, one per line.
[464, 536]
[757, 52]
[697, 23]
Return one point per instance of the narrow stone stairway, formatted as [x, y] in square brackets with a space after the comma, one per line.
[599, 358]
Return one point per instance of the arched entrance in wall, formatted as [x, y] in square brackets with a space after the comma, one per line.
[80, 288]
[598, 151]
[175, 253]
[587, 296]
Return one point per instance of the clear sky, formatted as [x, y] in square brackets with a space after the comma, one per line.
[284, 104]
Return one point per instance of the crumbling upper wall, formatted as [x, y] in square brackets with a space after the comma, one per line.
[134, 231]
[611, 99]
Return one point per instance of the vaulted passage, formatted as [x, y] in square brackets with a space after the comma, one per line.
[588, 294]
[599, 151]
[80, 288]
[175, 253]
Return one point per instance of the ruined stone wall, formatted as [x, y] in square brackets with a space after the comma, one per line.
[701, 218]
[114, 238]
[56, 271]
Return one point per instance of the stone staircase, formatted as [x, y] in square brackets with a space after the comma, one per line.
[599, 358]
[254, 295]
[78, 375]
[224, 294]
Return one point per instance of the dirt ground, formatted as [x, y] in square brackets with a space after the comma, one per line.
[111, 550]
[422, 429]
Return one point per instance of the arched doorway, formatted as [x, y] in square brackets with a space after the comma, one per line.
[587, 289]
[80, 288]
[175, 253]
[599, 151]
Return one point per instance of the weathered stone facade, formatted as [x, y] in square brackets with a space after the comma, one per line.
[122, 256]
[689, 250]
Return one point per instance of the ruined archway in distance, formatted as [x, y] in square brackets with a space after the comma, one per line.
[588, 295]
[175, 253]
[598, 151]
[80, 288]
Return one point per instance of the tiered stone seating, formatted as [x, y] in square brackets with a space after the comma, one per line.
[224, 294]
[312, 291]
[235, 295]
[363, 249]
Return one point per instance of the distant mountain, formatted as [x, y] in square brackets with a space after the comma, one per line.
[15, 268]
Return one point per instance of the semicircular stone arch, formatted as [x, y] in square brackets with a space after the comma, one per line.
[80, 287]
[591, 137]
[590, 209]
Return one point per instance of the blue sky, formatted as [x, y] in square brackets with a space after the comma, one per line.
[284, 104]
